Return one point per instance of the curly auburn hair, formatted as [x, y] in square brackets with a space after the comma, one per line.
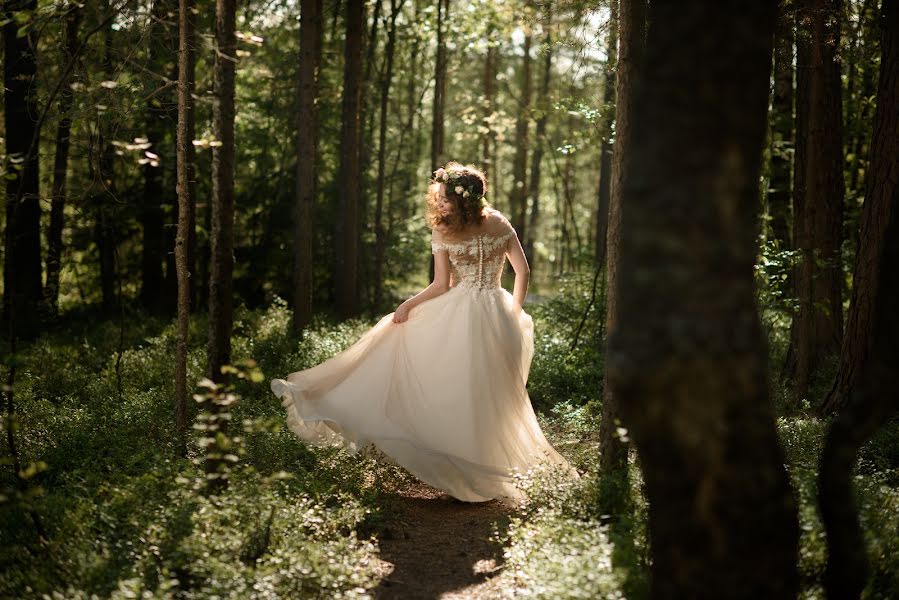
[470, 209]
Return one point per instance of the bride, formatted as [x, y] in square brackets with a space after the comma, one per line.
[439, 385]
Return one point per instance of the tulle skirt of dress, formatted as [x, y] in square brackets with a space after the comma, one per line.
[442, 395]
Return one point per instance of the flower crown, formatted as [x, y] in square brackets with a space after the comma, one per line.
[455, 181]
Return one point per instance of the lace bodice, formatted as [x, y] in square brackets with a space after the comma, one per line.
[477, 259]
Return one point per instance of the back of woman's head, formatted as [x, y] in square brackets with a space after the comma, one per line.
[466, 187]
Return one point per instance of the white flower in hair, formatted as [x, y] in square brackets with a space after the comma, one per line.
[459, 189]
[440, 174]
[465, 194]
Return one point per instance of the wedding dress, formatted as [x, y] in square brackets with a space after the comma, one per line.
[443, 393]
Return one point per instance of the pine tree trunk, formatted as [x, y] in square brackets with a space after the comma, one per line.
[437, 128]
[872, 397]
[488, 138]
[307, 155]
[153, 248]
[186, 208]
[631, 51]
[880, 200]
[605, 158]
[518, 196]
[539, 139]
[22, 255]
[818, 189]
[782, 129]
[350, 138]
[380, 241]
[222, 233]
[687, 358]
[104, 226]
[60, 172]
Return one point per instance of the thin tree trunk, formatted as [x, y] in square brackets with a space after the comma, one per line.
[350, 138]
[605, 159]
[104, 229]
[539, 139]
[687, 355]
[880, 199]
[518, 197]
[380, 241]
[782, 129]
[631, 50]
[186, 209]
[222, 234]
[307, 159]
[488, 139]
[22, 278]
[818, 191]
[437, 127]
[60, 172]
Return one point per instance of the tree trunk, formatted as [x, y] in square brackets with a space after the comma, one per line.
[60, 172]
[380, 242]
[518, 197]
[818, 189]
[873, 397]
[222, 233]
[687, 354]
[488, 139]
[104, 226]
[539, 139]
[437, 129]
[350, 171]
[782, 129]
[153, 249]
[880, 199]
[608, 121]
[307, 139]
[186, 208]
[22, 256]
[631, 51]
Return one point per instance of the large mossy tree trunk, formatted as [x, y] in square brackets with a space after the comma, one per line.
[307, 155]
[687, 357]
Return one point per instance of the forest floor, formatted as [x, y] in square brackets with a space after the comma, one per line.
[435, 547]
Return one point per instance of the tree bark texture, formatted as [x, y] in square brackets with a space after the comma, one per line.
[222, 234]
[631, 54]
[882, 187]
[386, 80]
[539, 138]
[687, 359]
[60, 172]
[518, 195]
[438, 156]
[605, 157]
[350, 138]
[307, 155]
[186, 157]
[818, 187]
[22, 289]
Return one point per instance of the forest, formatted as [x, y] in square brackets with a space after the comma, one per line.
[203, 195]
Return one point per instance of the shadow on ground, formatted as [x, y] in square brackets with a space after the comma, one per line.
[437, 547]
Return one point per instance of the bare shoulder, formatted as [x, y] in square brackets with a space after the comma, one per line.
[495, 216]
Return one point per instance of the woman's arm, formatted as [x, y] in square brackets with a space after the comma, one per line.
[520, 266]
[439, 286]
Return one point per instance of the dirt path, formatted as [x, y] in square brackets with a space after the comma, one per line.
[437, 547]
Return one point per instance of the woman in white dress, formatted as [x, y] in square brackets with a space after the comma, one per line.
[439, 385]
